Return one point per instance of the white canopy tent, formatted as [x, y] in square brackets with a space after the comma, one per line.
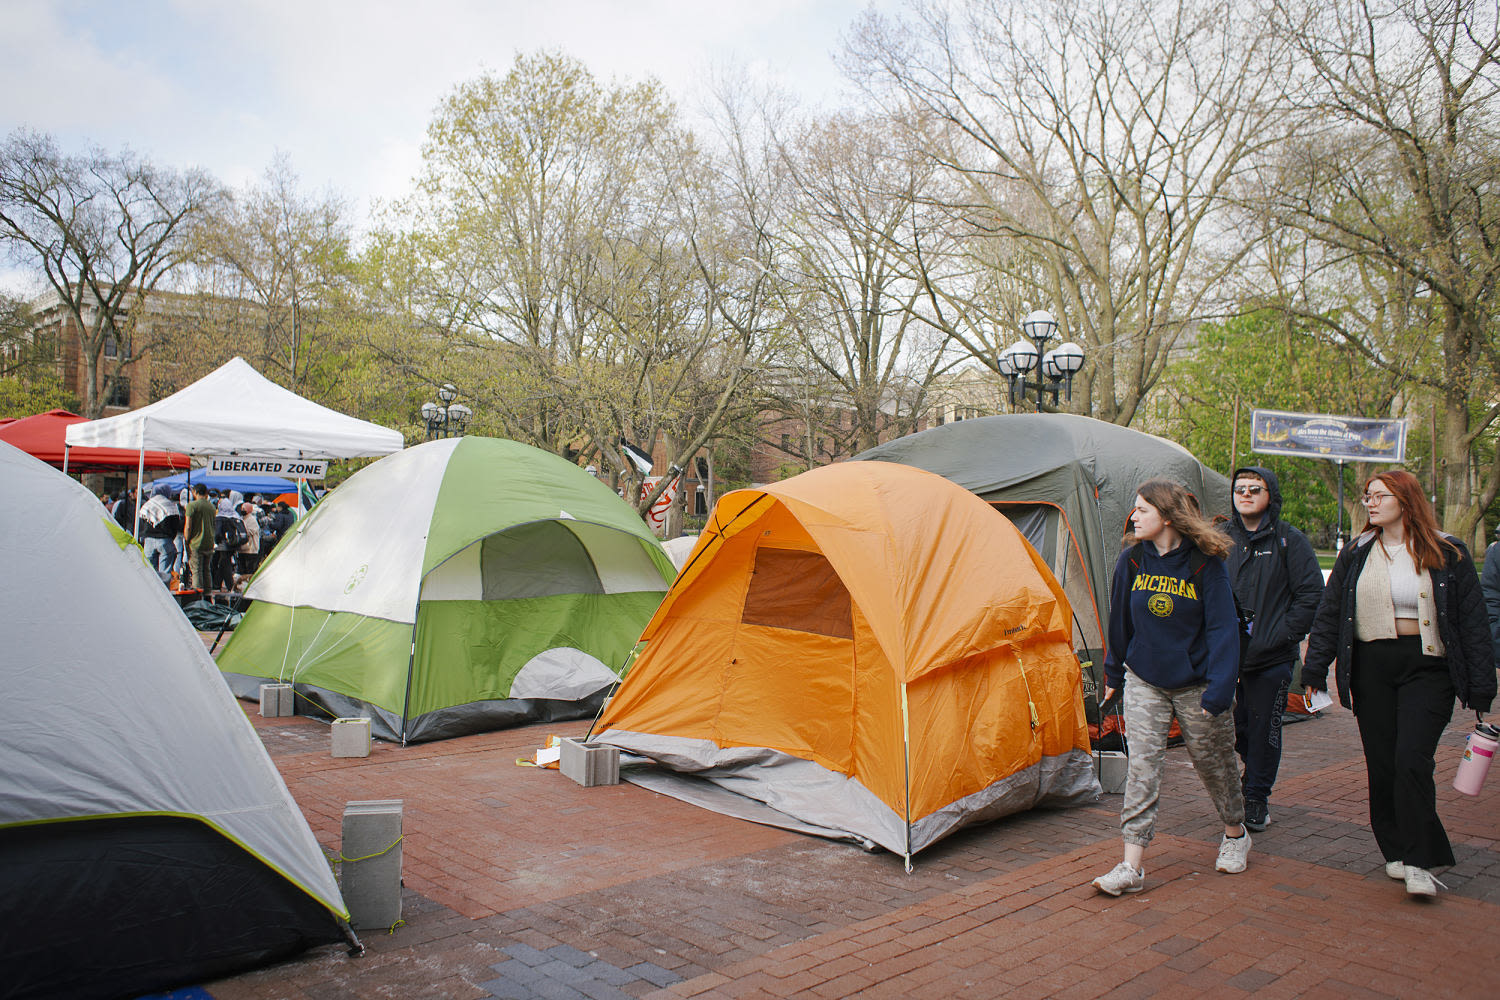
[235, 410]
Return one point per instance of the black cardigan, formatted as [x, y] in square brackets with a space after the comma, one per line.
[1463, 624]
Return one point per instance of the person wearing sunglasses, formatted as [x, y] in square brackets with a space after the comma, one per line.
[1404, 623]
[1277, 584]
[1173, 648]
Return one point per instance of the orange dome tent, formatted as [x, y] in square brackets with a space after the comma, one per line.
[866, 648]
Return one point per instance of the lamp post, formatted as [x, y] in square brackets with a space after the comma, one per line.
[1055, 368]
[447, 419]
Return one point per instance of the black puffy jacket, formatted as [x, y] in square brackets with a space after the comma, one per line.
[1463, 625]
[1275, 575]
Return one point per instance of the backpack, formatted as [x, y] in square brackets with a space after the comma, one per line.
[229, 533]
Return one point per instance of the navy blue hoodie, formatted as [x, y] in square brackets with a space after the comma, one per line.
[1173, 627]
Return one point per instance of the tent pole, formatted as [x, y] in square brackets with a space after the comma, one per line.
[411, 664]
[140, 478]
[906, 764]
[65, 458]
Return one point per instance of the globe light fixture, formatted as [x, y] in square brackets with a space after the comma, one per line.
[1055, 368]
[449, 419]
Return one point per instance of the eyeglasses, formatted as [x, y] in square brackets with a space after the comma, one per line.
[1249, 491]
[1374, 498]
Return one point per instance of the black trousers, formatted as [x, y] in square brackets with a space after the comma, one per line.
[1259, 701]
[1403, 701]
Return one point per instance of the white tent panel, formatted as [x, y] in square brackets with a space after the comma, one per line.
[621, 561]
[236, 410]
[456, 579]
[563, 672]
[112, 705]
[371, 564]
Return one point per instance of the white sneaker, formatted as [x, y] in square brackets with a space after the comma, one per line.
[1233, 852]
[1395, 870]
[1121, 878]
[1421, 882]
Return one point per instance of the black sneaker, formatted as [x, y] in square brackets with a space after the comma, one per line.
[1257, 815]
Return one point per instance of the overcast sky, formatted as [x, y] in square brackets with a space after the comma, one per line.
[345, 88]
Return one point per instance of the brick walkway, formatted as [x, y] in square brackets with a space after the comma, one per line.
[521, 884]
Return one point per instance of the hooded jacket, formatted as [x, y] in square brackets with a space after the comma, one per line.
[1276, 579]
[1462, 622]
[1489, 583]
[1172, 621]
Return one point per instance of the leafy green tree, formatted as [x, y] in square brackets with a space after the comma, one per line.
[1398, 174]
[1264, 361]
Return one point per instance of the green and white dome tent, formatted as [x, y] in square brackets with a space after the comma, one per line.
[458, 586]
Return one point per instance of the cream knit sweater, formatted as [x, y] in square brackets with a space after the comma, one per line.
[1375, 615]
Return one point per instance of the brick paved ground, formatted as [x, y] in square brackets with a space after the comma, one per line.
[520, 883]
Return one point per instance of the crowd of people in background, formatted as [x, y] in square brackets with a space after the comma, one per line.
[227, 531]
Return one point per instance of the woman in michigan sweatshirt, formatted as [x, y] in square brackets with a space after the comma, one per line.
[1174, 651]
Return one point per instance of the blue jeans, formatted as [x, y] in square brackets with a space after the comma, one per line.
[161, 556]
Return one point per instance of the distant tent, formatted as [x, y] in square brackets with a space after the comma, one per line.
[146, 839]
[266, 486]
[461, 585]
[869, 651]
[42, 437]
[1068, 482]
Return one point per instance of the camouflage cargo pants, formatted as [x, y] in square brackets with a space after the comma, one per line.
[1210, 744]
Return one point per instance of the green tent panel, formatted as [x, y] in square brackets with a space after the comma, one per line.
[458, 586]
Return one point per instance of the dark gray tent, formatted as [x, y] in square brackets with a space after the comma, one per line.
[1068, 482]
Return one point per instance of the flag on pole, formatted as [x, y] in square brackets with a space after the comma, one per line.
[637, 457]
[306, 498]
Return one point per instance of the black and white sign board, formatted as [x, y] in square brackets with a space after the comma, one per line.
[286, 468]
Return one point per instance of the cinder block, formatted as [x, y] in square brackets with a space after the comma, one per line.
[371, 869]
[277, 701]
[589, 764]
[351, 737]
[1114, 766]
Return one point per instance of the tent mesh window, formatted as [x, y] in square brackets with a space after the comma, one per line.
[798, 590]
[542, 559]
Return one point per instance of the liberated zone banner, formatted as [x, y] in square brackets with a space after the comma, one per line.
[284, 468]
[1322, 435]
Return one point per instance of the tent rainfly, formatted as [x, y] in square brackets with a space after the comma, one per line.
[146, 839]
[464, 584]
[1068, 482]
[870, 652]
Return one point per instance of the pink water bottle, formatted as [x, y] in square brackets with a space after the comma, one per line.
[1478, 753]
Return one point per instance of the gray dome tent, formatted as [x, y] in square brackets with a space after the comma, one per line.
[1068, 482]
[146, 839]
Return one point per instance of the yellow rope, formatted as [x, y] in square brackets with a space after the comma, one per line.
[377, 854]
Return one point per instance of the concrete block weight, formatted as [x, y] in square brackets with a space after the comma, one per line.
[277, 701]
[589, 764]
[351, 737]
[371, 881]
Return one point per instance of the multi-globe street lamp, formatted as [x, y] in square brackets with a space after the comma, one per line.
[450, 418]
[1055, 368]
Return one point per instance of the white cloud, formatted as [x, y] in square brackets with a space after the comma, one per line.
[345, 88]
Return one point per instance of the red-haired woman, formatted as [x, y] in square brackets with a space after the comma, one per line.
[1404, 621]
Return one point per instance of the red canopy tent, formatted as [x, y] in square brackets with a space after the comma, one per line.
[42, 436]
